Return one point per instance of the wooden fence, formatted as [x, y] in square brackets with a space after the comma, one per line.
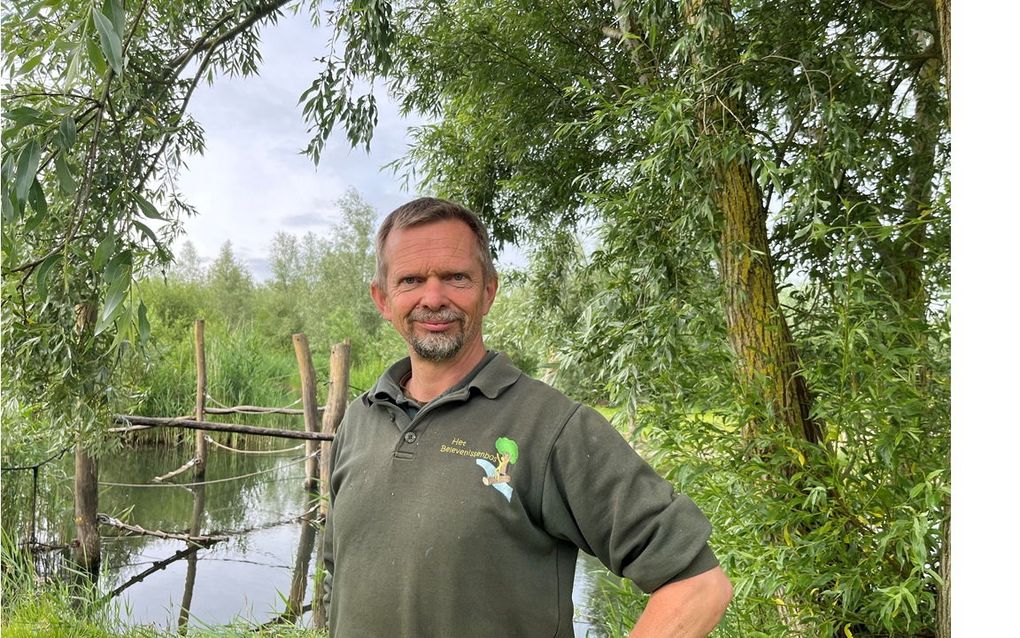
[317, 435]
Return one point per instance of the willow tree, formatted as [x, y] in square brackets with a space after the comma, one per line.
[95, 128]
[769, 186]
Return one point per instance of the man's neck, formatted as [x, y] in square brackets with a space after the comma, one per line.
[429, 379]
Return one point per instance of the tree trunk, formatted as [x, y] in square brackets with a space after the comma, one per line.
[767, 360]
[942, 16]
[86, 507]
[943, 617]
[908, 286]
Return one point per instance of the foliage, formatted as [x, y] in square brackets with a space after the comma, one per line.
[634, 118]
[95, 128]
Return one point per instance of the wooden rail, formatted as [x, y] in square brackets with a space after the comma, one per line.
[190, 424]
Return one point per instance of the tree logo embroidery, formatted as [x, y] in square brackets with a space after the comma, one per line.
[497, 476]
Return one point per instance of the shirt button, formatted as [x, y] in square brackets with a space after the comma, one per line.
[410, 437]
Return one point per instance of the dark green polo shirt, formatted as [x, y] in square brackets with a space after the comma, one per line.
[466, 519]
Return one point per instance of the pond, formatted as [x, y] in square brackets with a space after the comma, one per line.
[257, 499]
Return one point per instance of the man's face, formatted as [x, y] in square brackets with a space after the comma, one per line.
[435, 295]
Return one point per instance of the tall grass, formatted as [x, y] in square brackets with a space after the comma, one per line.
[244, 366]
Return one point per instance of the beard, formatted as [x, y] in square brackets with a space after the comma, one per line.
[437, 346]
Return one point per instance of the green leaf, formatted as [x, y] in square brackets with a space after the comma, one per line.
[109, 40]
[143, 323]
[146, 231]
[9, 212]
[28, 164]
[115, 295]
[147, 208]
[104, 250]
[23, 116]
[64, 177]
[95, 57]
[114, 10]
[37, 198]
[68, 131]
[117, 267]
[30, 64]
[41, 276]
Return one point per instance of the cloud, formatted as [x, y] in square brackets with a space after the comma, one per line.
[252, 181]
[304, 221]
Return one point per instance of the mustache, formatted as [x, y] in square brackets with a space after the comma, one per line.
[439, 316]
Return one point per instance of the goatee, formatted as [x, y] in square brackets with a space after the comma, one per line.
[437, 346]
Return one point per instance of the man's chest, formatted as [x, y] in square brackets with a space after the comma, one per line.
[437, 476]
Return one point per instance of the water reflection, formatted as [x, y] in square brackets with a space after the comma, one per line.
[197, 514]
[260, 575]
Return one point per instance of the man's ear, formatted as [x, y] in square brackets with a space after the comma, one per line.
[491, 286]
[379, 297]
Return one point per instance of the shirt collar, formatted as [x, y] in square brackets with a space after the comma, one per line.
[497, 374]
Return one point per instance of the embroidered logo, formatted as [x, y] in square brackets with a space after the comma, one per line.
[497, 476]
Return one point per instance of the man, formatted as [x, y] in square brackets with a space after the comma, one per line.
[461, 489]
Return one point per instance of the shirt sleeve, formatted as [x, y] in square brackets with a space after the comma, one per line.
[602, 496]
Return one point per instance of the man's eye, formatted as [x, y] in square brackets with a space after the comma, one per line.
[459, 277]
[409, 280]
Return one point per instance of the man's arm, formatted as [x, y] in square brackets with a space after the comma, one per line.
[688, 608]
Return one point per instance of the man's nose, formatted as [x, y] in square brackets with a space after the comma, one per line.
[433, 294]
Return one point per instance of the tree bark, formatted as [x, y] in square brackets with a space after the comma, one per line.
[336, 407]
[758, 333]
[943, 617]
[908, 285]
[943, 17]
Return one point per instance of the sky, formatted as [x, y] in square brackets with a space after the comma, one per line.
[252, 181]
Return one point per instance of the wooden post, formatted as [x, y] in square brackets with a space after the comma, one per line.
[86, 508]
[86, 482]
[308, 400]
[336, 407]
[201, 448]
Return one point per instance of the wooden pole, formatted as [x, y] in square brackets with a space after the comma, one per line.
[308, 400]
[86, 509]
[190, 424]
[86, 481]
[201, 448]
[336, 407]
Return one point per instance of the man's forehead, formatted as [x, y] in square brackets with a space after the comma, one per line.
[444, 244]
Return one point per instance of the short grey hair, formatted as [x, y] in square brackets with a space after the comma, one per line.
[426, 210]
